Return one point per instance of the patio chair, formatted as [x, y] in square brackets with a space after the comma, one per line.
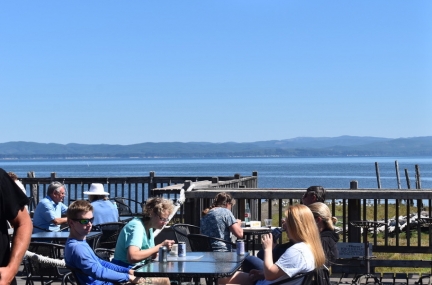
[307, 279]
[104, 253]
[124, 208]
[45, 272]
[181, 232]
[199, 242]
[110, 233]
[69, 278]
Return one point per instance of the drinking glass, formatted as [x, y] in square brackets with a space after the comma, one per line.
[268, 222]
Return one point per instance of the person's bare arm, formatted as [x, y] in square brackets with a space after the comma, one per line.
[59, 221]
[236, 229]
[271, 270]
[135, 254]
[23, 227]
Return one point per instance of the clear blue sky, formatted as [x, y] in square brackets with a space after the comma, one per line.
[125, 72]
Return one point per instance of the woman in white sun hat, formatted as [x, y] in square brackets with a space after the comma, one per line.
[104, 211]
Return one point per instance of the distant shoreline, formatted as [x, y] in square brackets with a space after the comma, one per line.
[192, 157]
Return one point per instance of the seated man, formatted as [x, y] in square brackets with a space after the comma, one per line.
[78, 254]
[314, 194]
[49, 211]
[104, 210]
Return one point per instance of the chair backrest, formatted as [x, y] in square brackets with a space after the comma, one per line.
[181, 232]
[200, 242]
[110, 233]
[128, 207]
[104, 253]
[123, 208]
[44, 271]
[307, 279]
[73, 277]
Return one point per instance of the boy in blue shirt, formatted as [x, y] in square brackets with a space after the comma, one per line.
[79, 255]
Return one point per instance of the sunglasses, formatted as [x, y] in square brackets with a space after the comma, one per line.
[84, 221]
[163, 219]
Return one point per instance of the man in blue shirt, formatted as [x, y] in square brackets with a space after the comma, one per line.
[49, 211]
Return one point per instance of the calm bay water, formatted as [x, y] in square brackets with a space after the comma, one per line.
[272, 172]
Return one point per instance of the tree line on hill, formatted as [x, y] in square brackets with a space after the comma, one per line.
[296, 147]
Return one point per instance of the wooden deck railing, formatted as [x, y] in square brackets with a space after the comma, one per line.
[136, 189]
[351, 204]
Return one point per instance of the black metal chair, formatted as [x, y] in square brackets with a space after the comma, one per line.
[124, 206]
[307, 279]
[104, 253]
[199, 242]
[181, 232]
[44, 271]
[366, 225]
[110, 233]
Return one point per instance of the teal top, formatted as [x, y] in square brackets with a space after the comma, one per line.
[132, 234]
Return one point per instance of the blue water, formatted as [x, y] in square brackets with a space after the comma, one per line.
[272, 172]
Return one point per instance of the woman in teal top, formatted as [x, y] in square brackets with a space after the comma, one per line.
[136, 241]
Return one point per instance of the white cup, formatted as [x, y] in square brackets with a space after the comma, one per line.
[174, 250]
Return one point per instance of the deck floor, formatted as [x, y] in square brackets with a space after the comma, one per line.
[336, 279]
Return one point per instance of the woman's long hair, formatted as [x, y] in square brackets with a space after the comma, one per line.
[322, 210]
[222, 199]
[302, 228]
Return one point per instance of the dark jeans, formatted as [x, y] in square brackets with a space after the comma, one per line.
[256, 262]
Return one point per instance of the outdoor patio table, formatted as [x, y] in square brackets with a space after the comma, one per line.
[250, 234]
[210, 265]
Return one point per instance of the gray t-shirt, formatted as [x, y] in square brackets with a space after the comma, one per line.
[216, 224]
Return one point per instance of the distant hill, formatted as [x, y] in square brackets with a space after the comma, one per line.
[297, 147]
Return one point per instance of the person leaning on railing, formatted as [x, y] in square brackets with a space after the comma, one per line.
[218, 221]
[135, 242]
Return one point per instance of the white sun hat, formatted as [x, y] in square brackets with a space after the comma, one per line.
[96, 189]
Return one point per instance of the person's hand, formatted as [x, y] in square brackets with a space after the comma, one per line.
[6, 276]
[267, 241]
[255, 275]
[136, 280]
[168, 243]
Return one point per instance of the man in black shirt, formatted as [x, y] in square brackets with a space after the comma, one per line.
[12, 210]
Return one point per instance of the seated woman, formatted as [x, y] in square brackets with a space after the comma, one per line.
[218, 221]
[104, 210]
[303, 256]
[136, 244]
[329, 237]
[78, 254]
